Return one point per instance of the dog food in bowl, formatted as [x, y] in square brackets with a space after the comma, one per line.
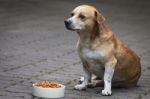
[47, 84]
[47, 89]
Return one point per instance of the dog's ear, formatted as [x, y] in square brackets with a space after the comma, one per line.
[101, 26]
[99, 17]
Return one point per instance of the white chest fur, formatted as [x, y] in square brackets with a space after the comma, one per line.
[94, 59]
[92, 54]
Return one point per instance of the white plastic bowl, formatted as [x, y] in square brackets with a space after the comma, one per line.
[49, 92]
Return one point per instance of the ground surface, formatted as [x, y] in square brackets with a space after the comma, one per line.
[34, 45]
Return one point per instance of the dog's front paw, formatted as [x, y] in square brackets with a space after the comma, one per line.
[106, 92]
[80, 87]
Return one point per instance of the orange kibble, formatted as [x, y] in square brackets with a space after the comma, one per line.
[47, 84]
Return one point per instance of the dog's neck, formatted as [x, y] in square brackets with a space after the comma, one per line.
[104, 32]
[99, 33]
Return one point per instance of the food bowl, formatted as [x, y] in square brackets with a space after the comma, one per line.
[46, 89]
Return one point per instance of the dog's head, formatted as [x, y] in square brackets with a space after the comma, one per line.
[84, 18]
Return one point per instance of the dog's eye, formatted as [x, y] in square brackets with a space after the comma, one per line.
[81, 16]
[72, 14]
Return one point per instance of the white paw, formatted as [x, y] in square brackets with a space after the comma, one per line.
[106, 92]
[80, 87]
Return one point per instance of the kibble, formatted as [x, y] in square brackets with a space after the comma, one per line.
[47, 84]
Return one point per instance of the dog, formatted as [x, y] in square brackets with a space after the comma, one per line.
[101, 52]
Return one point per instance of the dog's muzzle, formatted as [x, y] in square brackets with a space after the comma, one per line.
[68, 24]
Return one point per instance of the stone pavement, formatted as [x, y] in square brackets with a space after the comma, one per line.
[34, 45]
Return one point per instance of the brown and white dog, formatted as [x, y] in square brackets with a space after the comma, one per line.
[101, 52]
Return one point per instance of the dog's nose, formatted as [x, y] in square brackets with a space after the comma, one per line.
[67, 22]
